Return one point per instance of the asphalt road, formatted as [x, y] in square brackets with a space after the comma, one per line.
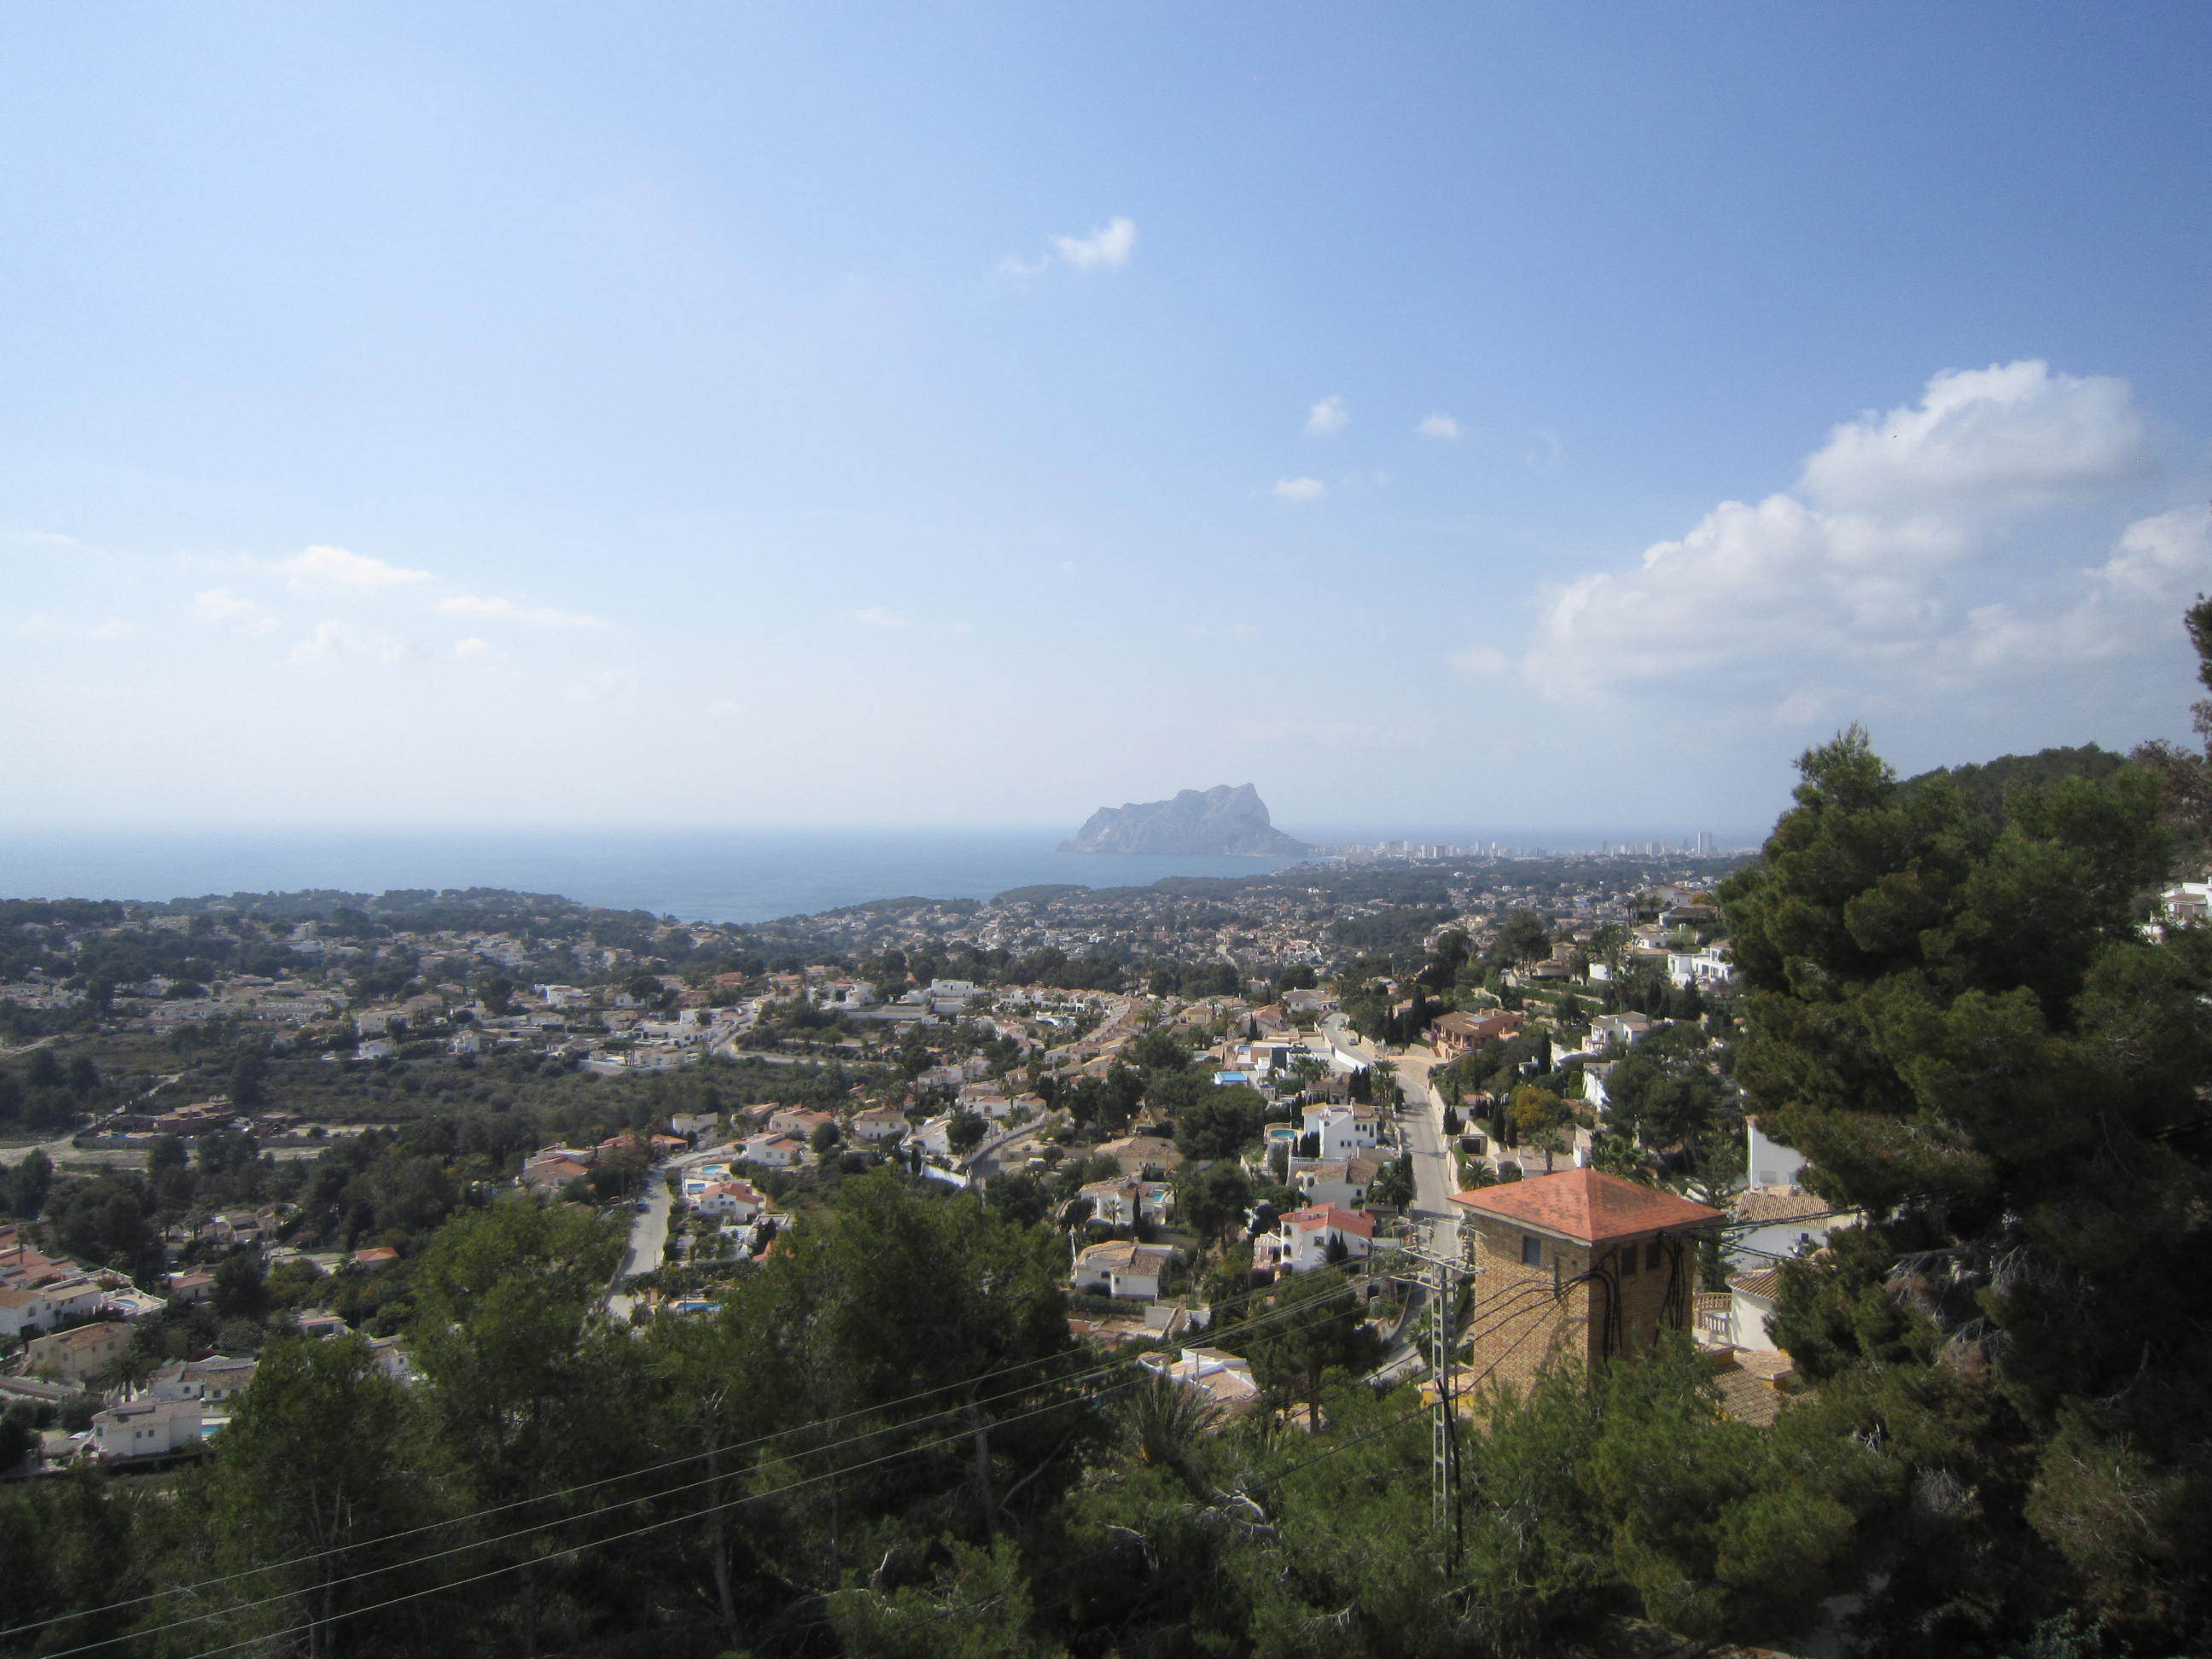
[1422, 1124]
[648, 1227]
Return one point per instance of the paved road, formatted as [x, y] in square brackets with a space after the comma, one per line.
[1422, 1124]
[648, 1227]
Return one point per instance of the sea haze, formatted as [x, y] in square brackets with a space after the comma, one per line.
[725, 876]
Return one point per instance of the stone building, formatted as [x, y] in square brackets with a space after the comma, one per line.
[1581, 1264]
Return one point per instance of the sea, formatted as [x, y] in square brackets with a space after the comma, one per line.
[734, 876]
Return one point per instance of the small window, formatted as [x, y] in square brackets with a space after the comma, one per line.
[1651, 1256]
[1531, 1250]
[1628, 1262]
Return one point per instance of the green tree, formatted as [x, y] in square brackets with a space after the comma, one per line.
[241, 1289]
[248, 1085]
[524, 1394]
[1020, 1197]
[913, 1293]
[1159, 1050]
[1665, 1090]
[1955, 1017]
[1219, 1122]
[28, 1182]
[314, 1471]
[1393, 1185]
[1213, 1201]
[976, 1606]
[1523, 936]
[1321, 1329]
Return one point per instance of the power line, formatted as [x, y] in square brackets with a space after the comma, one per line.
[1095, 1394]
[521, 1532]
[627, 1474]
[578, 1549]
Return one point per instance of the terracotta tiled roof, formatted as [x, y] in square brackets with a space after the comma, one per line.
[1748, 1399]
[1766, 1204]
[86, 1336]
[1588, 1205]
[1330, 1215]
[1765, 1283]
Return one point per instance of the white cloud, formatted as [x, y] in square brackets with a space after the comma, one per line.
[330, 571]
[1807, 609]
[1300, 490]
[876, 616]
[1773, 581]
[219, 607]
[1438, 426]
[472, 649]
[2163, 559]
[604, 686]
[725, 709]
[469, 605]
[1110, 245]
[2008, 435]
[2158, 566]
[1327, 416]
[336, 643]
[1546, 453]
[113, 628]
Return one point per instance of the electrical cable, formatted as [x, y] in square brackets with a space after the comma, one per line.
[521, 1532]
[627, 1474]
[1094, 1396]
[517, 1566]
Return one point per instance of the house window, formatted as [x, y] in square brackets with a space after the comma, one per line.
[1628, 1262]
[1651, 1256]
[1531, 1250]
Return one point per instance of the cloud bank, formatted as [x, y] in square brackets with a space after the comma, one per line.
[1865, 579]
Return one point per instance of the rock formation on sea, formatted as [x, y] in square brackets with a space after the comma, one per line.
[1220, 820]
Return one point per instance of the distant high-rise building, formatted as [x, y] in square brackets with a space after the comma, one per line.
[1705, 843]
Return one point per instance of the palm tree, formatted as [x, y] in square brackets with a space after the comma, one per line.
[1160, 1421]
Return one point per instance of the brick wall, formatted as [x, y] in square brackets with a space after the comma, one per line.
[1519, 1324]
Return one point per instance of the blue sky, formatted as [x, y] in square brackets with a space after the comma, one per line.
[780, 415]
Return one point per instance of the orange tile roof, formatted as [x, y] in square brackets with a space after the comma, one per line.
[1765, 1283]
[1588, 1205]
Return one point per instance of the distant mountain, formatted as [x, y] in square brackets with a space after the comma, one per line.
[1220, 820]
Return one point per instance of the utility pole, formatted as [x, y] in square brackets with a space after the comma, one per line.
[1440, 1275]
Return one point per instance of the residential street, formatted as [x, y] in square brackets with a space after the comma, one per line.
[648, 1227]
[1422, 1120]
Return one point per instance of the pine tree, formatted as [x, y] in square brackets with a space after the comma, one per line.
[1959, 1021]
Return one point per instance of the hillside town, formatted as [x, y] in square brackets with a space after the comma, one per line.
[1484, 1126]
[1309, 1102]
